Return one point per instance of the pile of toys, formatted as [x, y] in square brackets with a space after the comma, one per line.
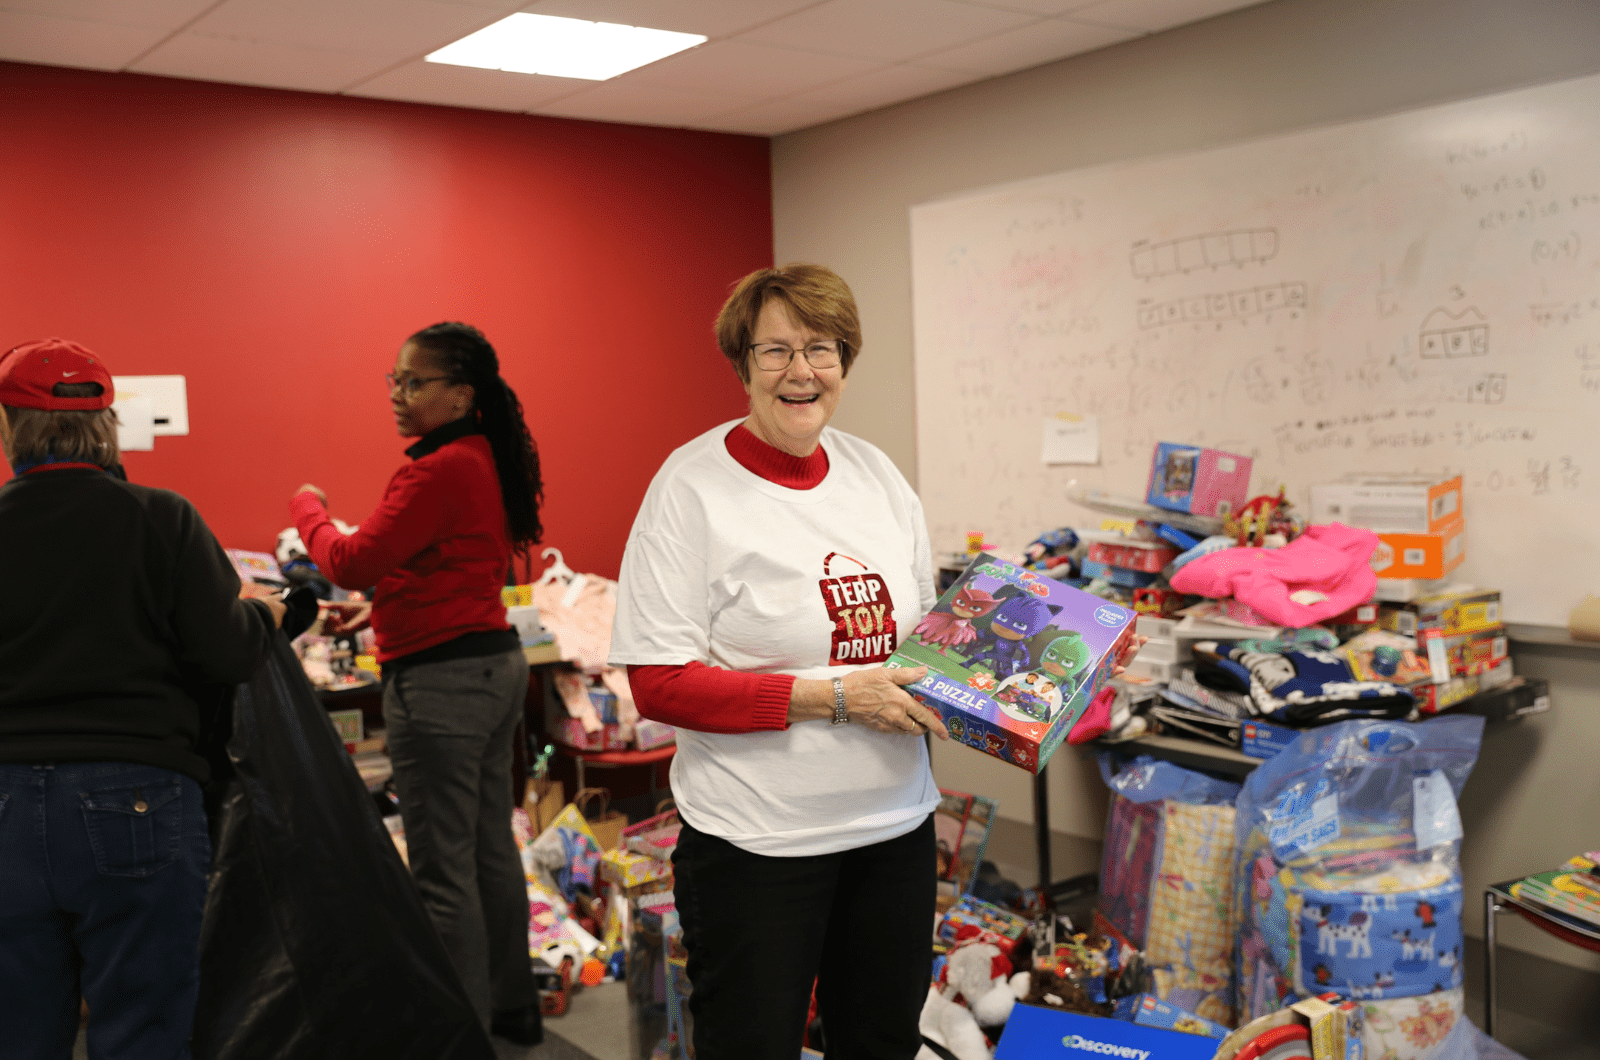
[1245, 606]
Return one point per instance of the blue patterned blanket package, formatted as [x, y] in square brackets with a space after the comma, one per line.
[1348, 876]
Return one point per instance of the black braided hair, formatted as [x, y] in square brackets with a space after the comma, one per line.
[465, 356]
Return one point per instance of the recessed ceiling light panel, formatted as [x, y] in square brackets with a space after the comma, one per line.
[563, 47]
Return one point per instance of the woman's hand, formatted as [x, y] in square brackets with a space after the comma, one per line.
[873, 698]
[1129, 650]
[309, 488]
[268, 596]
[343, 617]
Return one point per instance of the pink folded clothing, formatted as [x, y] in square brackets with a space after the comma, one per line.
[1321, 573]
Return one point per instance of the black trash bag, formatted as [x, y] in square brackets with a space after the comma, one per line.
[315, 943]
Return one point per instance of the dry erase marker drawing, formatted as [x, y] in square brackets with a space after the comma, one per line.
[1489, 389]
[1239, 247]
[1223, 306]
[1446, 334]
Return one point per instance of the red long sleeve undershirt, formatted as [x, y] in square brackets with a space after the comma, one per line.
[706, 698]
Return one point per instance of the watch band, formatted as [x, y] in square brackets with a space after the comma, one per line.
[840, 715]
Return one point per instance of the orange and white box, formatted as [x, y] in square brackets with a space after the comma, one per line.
[1420, 555]
[1393, 504]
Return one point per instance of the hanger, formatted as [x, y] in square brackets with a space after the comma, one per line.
[557, 571]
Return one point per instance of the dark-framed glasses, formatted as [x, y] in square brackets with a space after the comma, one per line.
[411, 385]
[775, 356]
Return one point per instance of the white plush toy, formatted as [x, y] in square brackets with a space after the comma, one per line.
[973, 991]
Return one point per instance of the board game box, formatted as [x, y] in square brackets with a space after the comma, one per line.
[1014, 658]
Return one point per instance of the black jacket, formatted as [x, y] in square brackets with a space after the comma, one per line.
[117, 599]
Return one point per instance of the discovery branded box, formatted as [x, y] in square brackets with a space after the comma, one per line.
[1014, 658]
[1034, 1033]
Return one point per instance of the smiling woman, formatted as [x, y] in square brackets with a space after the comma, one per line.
[774, 565]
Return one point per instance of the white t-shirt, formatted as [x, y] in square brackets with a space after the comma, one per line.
[726, 568]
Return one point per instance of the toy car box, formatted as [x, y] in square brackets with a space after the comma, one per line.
[1146, 556]
[1454, 611]
[1200, 481]
[1014, 658]
[1399, 504]
[1147, 1010]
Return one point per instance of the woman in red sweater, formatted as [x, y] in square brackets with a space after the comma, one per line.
[454, 677]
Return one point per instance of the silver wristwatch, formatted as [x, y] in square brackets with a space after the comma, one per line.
[840, 715]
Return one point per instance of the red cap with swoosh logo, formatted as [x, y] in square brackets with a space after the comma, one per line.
[29, 374]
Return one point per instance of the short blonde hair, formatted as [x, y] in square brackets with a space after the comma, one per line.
[36, 435]
[815, 296]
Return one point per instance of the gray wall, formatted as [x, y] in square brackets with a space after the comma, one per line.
[841, 193]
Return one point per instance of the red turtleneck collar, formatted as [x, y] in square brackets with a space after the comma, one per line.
[775, 465]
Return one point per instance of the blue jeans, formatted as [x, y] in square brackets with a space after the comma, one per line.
[102, 886]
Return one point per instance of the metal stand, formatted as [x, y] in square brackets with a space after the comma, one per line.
[1491, 906]
[1041, 827]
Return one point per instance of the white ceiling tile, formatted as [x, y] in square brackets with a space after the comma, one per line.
[32, 38]
[1019, 49]
[892, 84]
[1154, 15]
[254, 62]
[1033, 7]
[757, 71]
[891, 30]
[713, 18]
[391, 29]
[466, 86]
[156, 14]
[615, 101]
[779, 116]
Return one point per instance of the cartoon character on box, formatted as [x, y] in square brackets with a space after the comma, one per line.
[994, 743]
[957, 729]
[942, 630]
[1002, 647]
[1162, 602]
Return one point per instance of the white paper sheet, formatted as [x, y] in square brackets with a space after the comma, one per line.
[1071, 439]
[137, 423]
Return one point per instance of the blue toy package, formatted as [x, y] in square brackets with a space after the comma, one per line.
[1150, 1011]
[1348, 876]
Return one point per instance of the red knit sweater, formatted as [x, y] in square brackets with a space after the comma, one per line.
[707, 698]
[437, 546]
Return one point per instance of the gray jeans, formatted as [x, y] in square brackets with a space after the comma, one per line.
[450, 731]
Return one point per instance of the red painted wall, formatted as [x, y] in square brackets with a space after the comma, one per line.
[277, 247]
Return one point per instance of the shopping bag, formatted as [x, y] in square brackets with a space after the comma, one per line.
[606, 824]
[315, 942]
[543, 801]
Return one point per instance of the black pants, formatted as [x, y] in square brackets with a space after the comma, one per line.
[760, 929]
[450, 728]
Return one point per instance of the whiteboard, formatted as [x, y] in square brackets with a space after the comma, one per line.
[1417, 292]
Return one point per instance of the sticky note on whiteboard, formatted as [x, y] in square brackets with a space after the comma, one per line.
[1071, 439]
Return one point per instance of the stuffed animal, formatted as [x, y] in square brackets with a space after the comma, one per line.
[973, 991]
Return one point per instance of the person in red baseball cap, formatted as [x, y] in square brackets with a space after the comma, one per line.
[118, 599]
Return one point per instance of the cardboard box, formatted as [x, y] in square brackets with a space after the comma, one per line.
[1257, 739]
[1128, 579]
[1516, 698]
[1147, 1010]
[629, 868]
[1146, 556]
[1034, 1033]
[1326, 1023]
[569, 732]
[1424, 556]
[648, 735]
[349, 725]
[1399, 504]
[1200, 481]
[1007, 927]
[1041, 654]
[1431, 699]
[1454, 611]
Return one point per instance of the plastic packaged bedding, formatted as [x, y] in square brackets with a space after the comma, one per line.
[1348, 878]
[1166, 878]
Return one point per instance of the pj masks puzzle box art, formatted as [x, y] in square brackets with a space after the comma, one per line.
[1014, 658]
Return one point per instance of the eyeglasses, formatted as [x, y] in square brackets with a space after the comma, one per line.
[411, 385]
[776, 356]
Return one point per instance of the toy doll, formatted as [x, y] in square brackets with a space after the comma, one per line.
[1003, 645]
[951, 629]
